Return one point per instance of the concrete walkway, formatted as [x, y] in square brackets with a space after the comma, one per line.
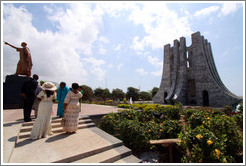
[13, 120]
[86, 109]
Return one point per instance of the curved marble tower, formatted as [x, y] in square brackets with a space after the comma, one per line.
[190, 76]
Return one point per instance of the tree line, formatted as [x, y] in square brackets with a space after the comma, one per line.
[100, 94]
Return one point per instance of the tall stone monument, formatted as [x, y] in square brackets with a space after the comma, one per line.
[190, 76]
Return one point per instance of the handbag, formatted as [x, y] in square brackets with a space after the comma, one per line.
[62, 122]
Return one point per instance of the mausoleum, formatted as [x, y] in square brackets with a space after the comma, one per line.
[190, 76]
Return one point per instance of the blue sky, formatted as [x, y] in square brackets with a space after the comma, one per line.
[120, 44]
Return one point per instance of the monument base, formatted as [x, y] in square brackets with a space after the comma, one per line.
[12, 90]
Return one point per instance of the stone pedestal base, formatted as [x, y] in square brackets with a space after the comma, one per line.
[12, 90]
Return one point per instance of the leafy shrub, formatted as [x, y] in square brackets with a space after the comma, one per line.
[195, 120]
[210, 135]
[145, 116]
[109, 101]
[171, 112]
[227, 110]
[136, 127]
[109, 123]
[133, 134]
[201, 145]
[124, 105]
[189, 112]
[226, 126]
[239, 120]
[223, 132]
[169, 129]
[125, 101]
[201, 116]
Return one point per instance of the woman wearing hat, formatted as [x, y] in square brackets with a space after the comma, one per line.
[42, 125]
[71, 109]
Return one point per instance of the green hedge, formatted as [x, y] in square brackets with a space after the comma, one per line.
[136, 127]
[210, 136]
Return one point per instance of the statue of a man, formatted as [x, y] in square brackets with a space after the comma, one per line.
[24, 65]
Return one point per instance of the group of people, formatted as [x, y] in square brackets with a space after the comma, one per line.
[41, 99]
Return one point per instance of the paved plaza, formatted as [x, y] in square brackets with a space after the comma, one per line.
[12, 123]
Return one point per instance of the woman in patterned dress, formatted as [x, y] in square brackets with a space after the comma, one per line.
[42, 125]
[71, 109]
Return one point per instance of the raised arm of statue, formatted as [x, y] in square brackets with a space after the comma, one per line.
[17, 49]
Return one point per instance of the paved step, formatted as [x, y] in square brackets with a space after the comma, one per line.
[54, 124]
[26, 134]
[54, 120]
[26, 128]
[108, 156]
[63, 148]
[90, 145]
[129, 159]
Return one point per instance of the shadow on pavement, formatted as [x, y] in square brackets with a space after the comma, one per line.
[12, 139]
[57, 137]
[13, 123]
[24, 142]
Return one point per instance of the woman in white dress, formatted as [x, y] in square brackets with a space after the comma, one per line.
[71, 109]
[42, 125]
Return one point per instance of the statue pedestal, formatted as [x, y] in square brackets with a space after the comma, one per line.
[12, 90]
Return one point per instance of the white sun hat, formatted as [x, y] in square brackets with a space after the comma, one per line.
[49, 86]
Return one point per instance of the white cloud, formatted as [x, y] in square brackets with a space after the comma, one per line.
[102, 40]
[161, 25]
[155, 61]
[118, 47]
[119, 66]
[99, 72]
[141, 71]
[94, 62]
[110, 66]
[102, 50]
[207, 11]
[139, 46]
[96, 68]
[79, 23]
[157, 73]
[56, 56]
[114, 9]
[48, 9]
[229, 8]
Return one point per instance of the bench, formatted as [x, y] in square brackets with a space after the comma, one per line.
[166, 143]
